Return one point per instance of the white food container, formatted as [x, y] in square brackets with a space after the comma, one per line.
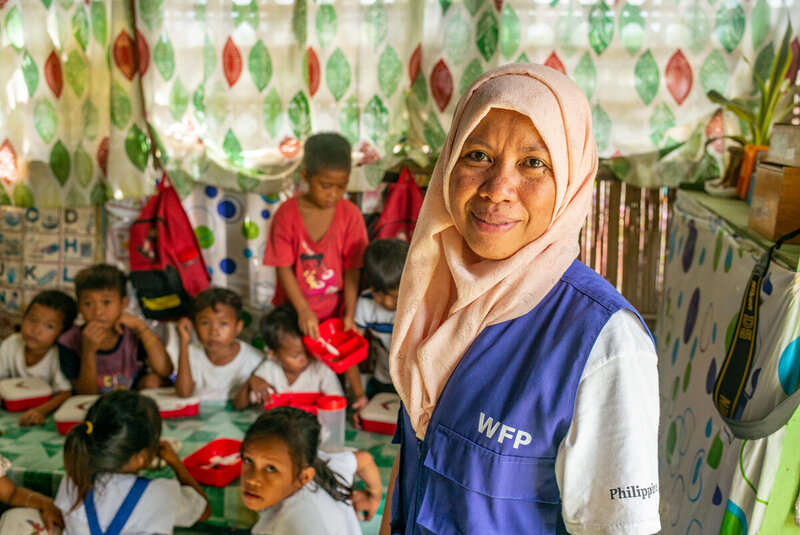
[72, 412]
[23, 520]
[172, 406]
[23, 393]
[380, 414]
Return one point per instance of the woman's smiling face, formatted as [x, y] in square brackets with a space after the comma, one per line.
[502, 189]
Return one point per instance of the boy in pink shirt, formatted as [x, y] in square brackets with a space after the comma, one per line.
[317, 239]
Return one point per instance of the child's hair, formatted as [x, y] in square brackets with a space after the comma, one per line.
[383, 264]
[118, 425]
[211, 297]
[278, 323]
[101, 277]
[327, 150]
[58, 301]
[299, 430]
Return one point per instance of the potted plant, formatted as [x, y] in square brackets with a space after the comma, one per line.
[761, 111]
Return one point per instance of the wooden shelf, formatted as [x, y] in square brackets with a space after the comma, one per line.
[736, 212]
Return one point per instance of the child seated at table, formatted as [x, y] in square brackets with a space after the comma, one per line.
[113, 349]
[288, 366]
[102, 457]
[296, 490]
[217, 367]
[15, 496]
[33, 352]
[376, 308]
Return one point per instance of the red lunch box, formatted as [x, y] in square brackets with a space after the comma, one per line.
[213, 464]
[352, 347]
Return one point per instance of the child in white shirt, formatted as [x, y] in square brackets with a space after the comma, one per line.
[289, 367]
[216, 368]
[295, 491]
[33, 352]
[102, 456]
[375, 310]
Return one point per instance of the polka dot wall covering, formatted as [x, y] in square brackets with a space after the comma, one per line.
[232, 230]
[711, 482]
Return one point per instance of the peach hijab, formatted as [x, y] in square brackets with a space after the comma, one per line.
[446, 297]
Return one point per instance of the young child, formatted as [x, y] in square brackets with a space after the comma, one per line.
[316, 239]
[296, 491]
[376, 307]
[217, 367]
[289, 367]
[113, 349]
[15, 496]
[102, 456]
[33, 351]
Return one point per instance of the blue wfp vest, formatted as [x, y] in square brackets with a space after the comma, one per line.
[487, 464]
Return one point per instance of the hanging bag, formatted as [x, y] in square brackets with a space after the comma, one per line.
[734, 373]
[401, 210]
[166, 266]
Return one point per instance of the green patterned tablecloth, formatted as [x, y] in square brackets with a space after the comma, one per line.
[37, 463]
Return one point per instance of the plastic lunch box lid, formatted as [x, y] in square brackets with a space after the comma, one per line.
[383, 408]
[332, 403]
[74, 409]
[167, 399]
[17, 388]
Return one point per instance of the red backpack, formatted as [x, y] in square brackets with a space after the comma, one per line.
[166, 267]
[401, 210]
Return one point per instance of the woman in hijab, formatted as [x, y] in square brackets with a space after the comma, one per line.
[529, 384]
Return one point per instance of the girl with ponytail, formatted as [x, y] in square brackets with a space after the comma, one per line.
[101, 492]
[298, 490]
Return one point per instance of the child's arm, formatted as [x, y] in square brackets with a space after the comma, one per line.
[166, 452]
[366, 503]
[21, 497]
[91, 339]
[386, 520]
[351, 277]
[157, 357]
[36, 415]
[184, 384]
[353, 376]
[306, 319]
[255, 390]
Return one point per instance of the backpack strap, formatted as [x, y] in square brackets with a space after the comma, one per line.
[734, 373]
[123, 513]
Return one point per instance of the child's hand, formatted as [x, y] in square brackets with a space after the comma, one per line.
[308, 323]
[348, 323]
[93, 335]
[32, 416]
[365, 504]
[259, 391]
[130, 321]
[51, 515]
[167, 453]
[357, 405]
[184, 327]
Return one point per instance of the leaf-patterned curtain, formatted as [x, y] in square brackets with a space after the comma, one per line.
[232, 88]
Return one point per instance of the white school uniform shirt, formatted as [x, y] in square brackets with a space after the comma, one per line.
[311, 510]
[372, 317]
[221, 383]
[12, 364]
[316, 378]
[618, 390]
[164, 504]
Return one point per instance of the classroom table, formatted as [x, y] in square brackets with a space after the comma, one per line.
[37, 462]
